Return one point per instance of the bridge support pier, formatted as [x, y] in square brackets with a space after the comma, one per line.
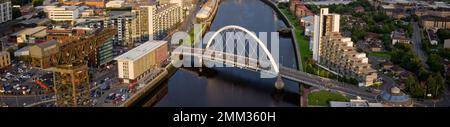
[279, 84]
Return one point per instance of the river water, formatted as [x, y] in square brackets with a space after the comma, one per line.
[234, 87]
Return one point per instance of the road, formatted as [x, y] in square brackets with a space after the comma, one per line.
[417, 43]
[326, 83]
[285, 72]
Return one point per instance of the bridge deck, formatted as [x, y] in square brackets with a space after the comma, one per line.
[285, 72]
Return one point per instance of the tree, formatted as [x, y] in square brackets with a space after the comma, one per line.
[358, 33]
[435, 85]
[435, 63]
[41, 14]
[20, 2]
[16, 13]
[413, 87]
[314, 8]
[423, 74]
[443, 34]
[37, 3]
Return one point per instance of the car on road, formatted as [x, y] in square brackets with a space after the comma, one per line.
[124, 97]
[111, 96]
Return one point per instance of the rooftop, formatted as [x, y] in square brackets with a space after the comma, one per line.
[447, 43]
[47, 44]
[36, 31]
[355, 103]
[141, 50]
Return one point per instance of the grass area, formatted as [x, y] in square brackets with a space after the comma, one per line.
[306, 54]
[322, 98]
[302, 41]
[191, 35]
[380, 54]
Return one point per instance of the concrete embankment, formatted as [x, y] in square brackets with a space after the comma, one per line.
[292, 27]
[149, 87]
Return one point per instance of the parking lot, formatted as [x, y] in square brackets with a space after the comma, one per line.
[22, 79]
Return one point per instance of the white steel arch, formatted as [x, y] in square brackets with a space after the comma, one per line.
[260, 43]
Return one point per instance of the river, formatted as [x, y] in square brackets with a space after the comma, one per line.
[234, 87]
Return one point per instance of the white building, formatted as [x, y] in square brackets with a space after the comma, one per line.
[140, 61]
[115, 4]
[5, 11]
[325, 22]
[447, 43]
[63, 13]
[355, 103]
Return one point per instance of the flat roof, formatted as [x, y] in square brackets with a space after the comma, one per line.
[36, 30]
[141, 50]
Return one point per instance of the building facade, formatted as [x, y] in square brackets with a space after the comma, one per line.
[31, 35]
[5, 11]
[333, 51]
[63, 13]
[115, 4]
[104, 54]
[5, 59]
[138, 62]
[43, 54]
[63, 35]
[323, 23]
[121, 21]
[430, 22]
[153, 22]
[339, 55]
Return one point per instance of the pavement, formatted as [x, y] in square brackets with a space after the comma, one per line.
[325, 83]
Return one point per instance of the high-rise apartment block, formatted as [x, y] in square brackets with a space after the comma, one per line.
[5, 11]
[153, 22]
[336, 53]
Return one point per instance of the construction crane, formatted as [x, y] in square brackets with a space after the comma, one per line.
[71, 76]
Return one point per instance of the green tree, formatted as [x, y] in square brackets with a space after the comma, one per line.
[16, 13]
[435, 63]
[20, 2]
[435, 85]
[413, 87]
[41, 14]
[314, 8]
[443, 34]
[37, 3]
[423, 74]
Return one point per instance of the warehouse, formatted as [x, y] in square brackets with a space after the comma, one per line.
[136, 63]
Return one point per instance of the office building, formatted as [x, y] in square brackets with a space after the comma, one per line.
[138, 62]
[115, 4]
[63, 13]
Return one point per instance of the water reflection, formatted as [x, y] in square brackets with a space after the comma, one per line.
[218, 87]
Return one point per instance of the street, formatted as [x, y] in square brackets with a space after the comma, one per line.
[417, 44]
